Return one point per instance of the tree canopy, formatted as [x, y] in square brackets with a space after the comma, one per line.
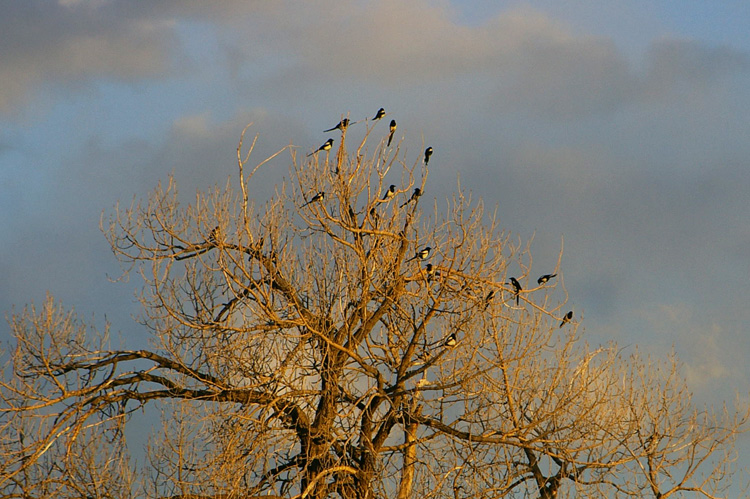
[345, 336]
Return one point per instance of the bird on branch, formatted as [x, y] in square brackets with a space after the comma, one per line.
[516, 287]
[566, 318]
[422, 254]
[393, 130]
[325, 147]
[545, 278]
[318, 197]
[341, 126]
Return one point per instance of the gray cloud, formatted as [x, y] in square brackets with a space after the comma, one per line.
[672, 62]
[45, 43]
[521, 60]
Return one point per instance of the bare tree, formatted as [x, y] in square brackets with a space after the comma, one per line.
[337, 339]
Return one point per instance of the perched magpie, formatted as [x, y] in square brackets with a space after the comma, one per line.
[414, 195]
[342, 124]
[516, 287]
[213, 237]
[389, 193]
[393, 130]
[210, 243]
[488, 298]
[450, 341]
[318, 197]
[325, 147]
[566, 318]
[430, 271]
[545, 278]
[422, 254]
[427, 154]
[379, 114]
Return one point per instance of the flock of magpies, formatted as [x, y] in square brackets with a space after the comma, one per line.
[424, 253]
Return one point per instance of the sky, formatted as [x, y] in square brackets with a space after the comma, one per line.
[620, 128]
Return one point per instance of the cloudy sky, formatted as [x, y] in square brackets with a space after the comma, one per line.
[622, 127]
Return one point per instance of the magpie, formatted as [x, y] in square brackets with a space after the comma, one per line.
[393, 130]
[372, 216]
[414, 195]
[379, 114]
[450, 341]
[389, 193]
[545, 278]
[325, 147]
[210, 242]
[488, 298]
[427, 154]
[516, 287]
[429, 271]
[342, 124]
[213, 236]
[318, 197]
[566, 318]
[422, 254]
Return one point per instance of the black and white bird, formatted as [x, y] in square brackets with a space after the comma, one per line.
[393, 130]
[430, 271]
[379, 114]
[209, 243]
[389, 193]
[566, 318]
[325, 147]
[318, 197]
[213, 237]
[450, 341]
[414, 195]
[545, 278]
[422, 254]
[516, 287]
[342, 124]
[427, 154]
[488, 298]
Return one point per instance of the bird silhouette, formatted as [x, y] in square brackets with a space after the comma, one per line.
[566, 318]
[545, 278]
[342, 124]
[318, 197]
[213, 237]
[379, 114]
[430, 271]
[414, 195]
[393, 130]
[427, 154]
[389, 193]
[209, 243]
[325, 147]
[516, 287]
[488, 298]
[422, 254]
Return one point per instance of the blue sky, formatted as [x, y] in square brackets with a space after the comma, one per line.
[621, 127]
